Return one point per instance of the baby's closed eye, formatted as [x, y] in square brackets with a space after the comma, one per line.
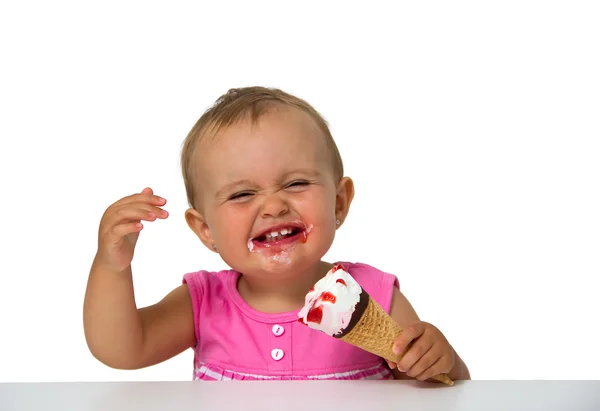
[297, 184]
[241, 195]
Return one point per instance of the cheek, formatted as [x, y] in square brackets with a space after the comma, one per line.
[318, 210]
[230, 224]
[319, 206]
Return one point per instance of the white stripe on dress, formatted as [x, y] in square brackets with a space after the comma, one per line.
[220, 376]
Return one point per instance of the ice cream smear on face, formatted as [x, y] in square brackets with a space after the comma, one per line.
[329, 305]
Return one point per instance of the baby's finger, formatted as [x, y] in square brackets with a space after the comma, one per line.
[128, 214]
[414, 354]
[118, 232]
[406, 337]
[146, 196]
[423, 364]
[392, 365]
[432, 371]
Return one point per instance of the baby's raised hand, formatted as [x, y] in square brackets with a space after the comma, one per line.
[428, 353]
[120, 227]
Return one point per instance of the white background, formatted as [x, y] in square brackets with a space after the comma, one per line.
[471, 130]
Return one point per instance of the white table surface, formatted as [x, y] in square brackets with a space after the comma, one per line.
[302, 395]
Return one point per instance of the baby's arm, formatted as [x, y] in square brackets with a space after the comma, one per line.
[117, 333]
[404, 314]
[124, 337]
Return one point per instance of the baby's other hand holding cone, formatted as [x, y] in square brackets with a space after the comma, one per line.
[423, 352]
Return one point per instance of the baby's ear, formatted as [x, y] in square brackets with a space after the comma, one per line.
[343, 198]
[197, 223]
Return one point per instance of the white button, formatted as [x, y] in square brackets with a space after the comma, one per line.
[277, 354]
[277, 330]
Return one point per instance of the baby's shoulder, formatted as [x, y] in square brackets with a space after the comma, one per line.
[377, 283]
[204, 283]
[366, 272]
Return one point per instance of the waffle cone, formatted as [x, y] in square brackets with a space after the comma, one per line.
[376, 332]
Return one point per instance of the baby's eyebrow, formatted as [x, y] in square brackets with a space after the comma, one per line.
[307, 171]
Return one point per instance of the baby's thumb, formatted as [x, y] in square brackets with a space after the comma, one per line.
[147, 190]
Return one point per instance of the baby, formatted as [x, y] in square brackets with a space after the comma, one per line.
[267, 192]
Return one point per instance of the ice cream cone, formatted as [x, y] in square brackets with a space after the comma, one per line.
[339, 307]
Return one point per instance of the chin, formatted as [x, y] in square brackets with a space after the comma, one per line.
[277, 263]
[287, 264]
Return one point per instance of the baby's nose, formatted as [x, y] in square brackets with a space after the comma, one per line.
[274, 206]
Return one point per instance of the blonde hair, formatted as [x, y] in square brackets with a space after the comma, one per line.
[234, 106]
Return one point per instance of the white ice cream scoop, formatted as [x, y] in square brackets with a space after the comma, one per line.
[329, 305]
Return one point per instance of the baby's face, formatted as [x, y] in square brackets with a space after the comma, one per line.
[269, 193]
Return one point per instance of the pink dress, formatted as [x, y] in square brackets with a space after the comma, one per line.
[236, 342]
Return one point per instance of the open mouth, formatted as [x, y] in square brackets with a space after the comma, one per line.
[279, 236]
[272, 236]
